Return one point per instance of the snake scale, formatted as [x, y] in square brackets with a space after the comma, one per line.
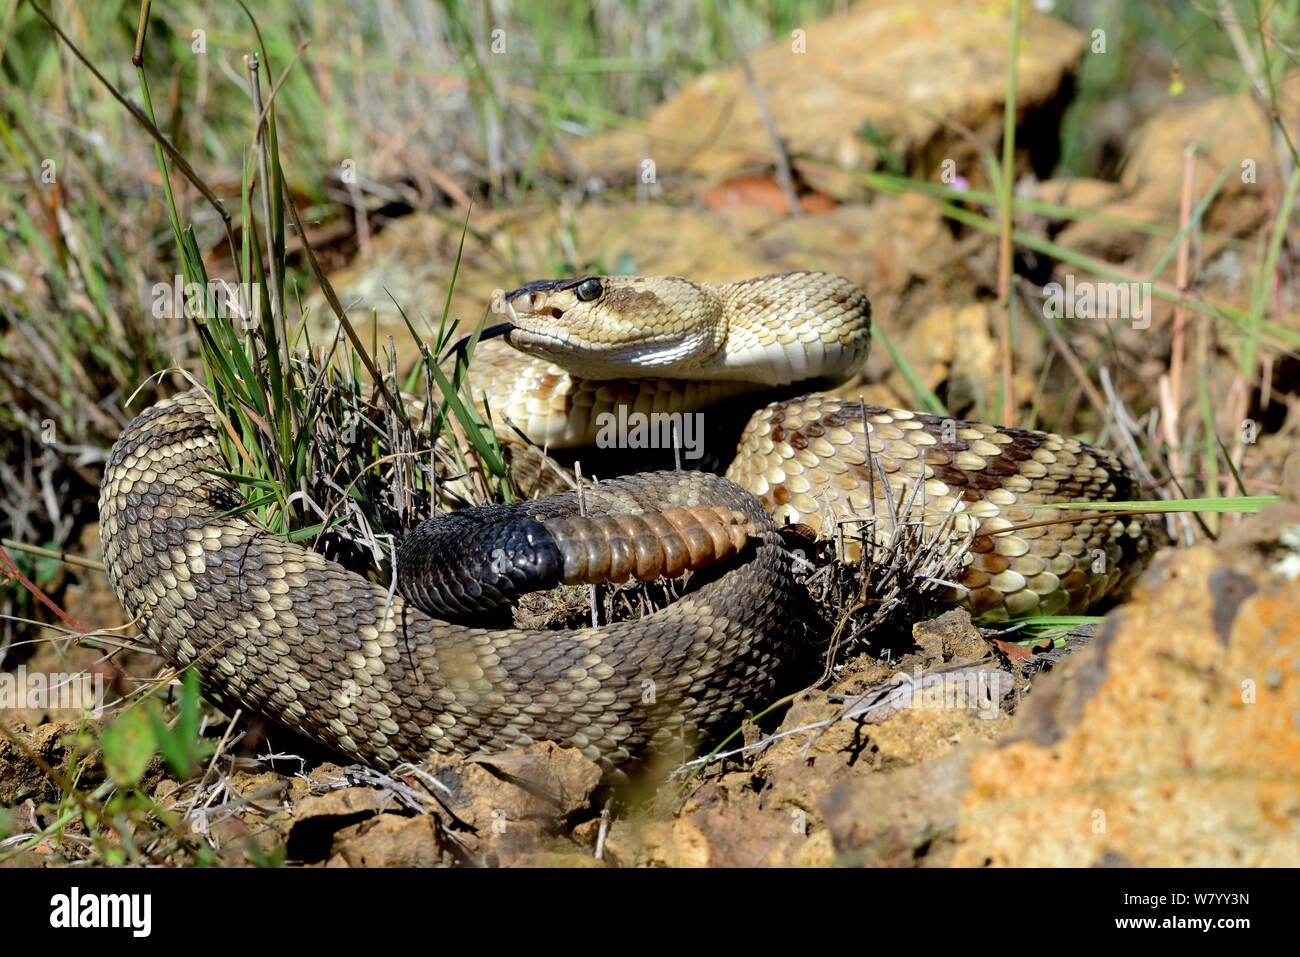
[280, 631]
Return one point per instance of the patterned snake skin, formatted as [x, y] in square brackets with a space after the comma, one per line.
[280, 631]
[805, 458]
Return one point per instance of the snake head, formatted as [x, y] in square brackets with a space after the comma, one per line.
[615, 327]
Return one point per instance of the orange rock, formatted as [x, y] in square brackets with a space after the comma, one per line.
[1175, 739]
[762, 191]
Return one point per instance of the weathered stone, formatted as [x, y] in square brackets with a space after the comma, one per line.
[853, 91]
[1175, 739]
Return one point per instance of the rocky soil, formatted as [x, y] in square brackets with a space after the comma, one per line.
[1172, 736]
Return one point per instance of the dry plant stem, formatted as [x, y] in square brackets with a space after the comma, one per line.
[1171, 385]
[65, 557]
[1005, 264]
[1127, 427]
[1237, 403]
[1080, 374]
[780, 159]
[137, 55]
[207, 774]
[582, 510]
[600, 835]
[1213, 521]
[1181, 277]
[1168, 416]
[10, 570]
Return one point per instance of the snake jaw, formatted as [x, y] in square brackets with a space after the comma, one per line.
[600, 327]
[657, 356]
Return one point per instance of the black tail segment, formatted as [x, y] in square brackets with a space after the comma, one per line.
[470, 561]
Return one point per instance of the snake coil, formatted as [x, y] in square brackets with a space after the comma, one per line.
[283, 632]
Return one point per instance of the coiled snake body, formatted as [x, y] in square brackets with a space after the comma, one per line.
[283, 632]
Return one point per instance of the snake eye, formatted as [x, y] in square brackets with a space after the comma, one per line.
[588, 290]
